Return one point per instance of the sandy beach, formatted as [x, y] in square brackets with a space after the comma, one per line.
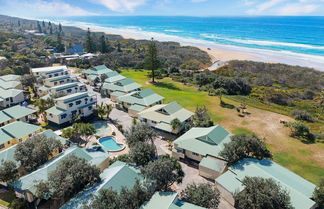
[217, 52]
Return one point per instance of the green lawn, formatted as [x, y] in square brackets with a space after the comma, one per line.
[291, 153]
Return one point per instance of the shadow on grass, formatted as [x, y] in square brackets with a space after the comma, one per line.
[166, 85]
[226, 105]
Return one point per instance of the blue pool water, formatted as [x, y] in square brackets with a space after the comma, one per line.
[101, 127]
[110, 143]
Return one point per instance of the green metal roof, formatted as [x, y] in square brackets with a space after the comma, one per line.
[10, 93]
[4, 117]
[114, 79]
[204, 141]
[43, 88]
[29, 181]
[10, 77]
[55, 110]
[167, 200]
[18, 111]
[9, 155]
[97, 70]
[19, 129]
[75, 96]
[118, 175]
[146, 98]
[117, 93]
[136, 107]
[4, 137]
[300, 190]
[166, 113]
[9, 84]
[125, 85]
[50, 134]
[213, 164]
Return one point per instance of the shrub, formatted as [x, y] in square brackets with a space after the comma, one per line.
[302, 115]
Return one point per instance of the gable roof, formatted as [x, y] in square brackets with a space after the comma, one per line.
[126, 85]
[9, 84]
[300, 190]
[204, 141]
[10, 77]
[145, 97]
[10, 93]
[97, 70]
[167, 200]
[118, 175]
[75, 96]
[16, 112]
[67, 86]
[29, 181]
[19, 129]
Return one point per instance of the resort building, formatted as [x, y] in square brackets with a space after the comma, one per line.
[120, 88]
[67, 107]
[113, 77]
[15, 113]
[8, 84]
[299, 189]
[168, 200]
[59, 80]
[11, 97]
[116, 176]
[201, 146]
[94, 74]
[10, 77]
[25, 186]
[49, 72]
[68, 88]
[15, 132]
[161, 116]
[137, 101]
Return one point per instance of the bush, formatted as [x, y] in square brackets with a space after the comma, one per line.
[302, 115]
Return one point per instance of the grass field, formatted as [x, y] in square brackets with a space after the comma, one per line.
[307, 160]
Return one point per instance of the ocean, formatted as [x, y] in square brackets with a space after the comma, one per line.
[298, 40]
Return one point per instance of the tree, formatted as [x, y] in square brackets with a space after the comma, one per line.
[8, 172]
[142, 153]
[36, 151]
[151, 61]
[60, 45]
[204, 195]
[72, 175]
[176, 124]
[60, 28]
[128, 198]
[243, 146]
[162, 173]
[298, 129]
[318, 195]
[220, 92]
[140, 133]
[69, 133]
[84, 130]
[261, 193]
[103, 44]
[201, 118]
[18, 204]
[89, 44]
[39, 28]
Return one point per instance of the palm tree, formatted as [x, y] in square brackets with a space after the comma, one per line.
[42, 107]
[220, 92]
[103, 110]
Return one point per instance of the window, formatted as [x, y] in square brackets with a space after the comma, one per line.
[91, 99]
[90, 108]
[8, 142]
[74, 112]
[50, 76]
[7, 99]
[71, 105]
[55, 83]
[69, 90]
[78, 102]
[56, 74]
[61, 82]
[76, 88]
[196, 154]
[2, 146]
[63, 116]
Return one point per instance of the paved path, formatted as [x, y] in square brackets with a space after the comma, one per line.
[122, 118]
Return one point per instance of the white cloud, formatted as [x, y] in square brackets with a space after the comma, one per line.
[41, 8]
[121, 5]
[260, 8]
[297, 9]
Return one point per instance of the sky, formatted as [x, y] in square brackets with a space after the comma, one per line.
[60, 8]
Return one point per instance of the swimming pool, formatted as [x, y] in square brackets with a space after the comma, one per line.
[110, 144]
[101, 127]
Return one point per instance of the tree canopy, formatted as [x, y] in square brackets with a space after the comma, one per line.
[261, 193]
[318, 194]
[204, 195]
[71, 176]
[243, 146]
[140, 133]
[151, 61]
[8, 172]
[142, 153]
[36, 151]
[201, 118]
[162, 173]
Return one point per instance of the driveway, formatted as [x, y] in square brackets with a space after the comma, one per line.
[122, 118]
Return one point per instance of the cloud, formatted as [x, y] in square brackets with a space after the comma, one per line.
[41, 8]
[297, 9]
[260, 8]
[122, 5]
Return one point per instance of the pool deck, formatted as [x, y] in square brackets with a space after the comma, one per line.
[119, 137]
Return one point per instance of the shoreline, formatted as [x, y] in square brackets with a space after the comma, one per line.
[217, 52]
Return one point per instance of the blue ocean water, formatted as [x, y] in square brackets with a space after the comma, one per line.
[304, 35]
